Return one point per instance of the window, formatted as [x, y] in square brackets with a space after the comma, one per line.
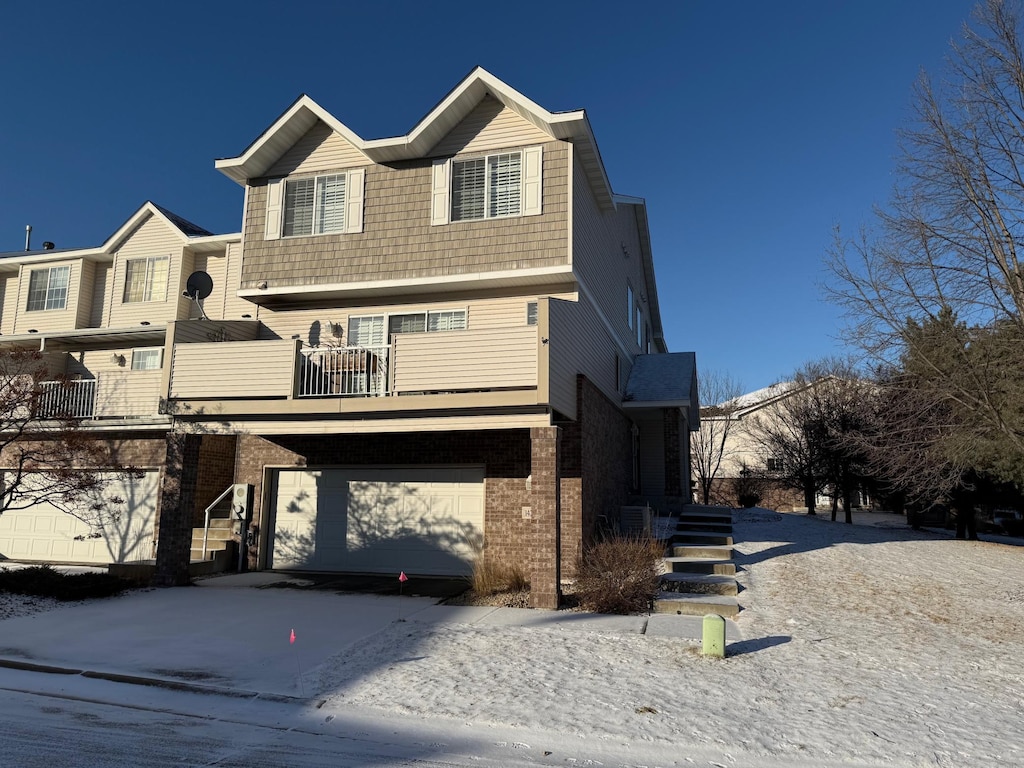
[368, 331]
[630, 304]
[146, 279]
[147, 359]
[48, 288]
[531, 313]
[775, 464]
[315, 205]
[494, 186]
[639, 327]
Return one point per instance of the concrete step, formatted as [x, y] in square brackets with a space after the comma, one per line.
[687, 527]
[703, 551]
[695, 605]
[699, 565]
[214, 534]
[220, 522]
[699, 584]
[703, 539]
[705, 517]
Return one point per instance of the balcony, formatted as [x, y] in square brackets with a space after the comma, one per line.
[111, 395]
[446, 362]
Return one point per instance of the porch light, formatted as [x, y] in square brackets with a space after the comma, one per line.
[118, 359]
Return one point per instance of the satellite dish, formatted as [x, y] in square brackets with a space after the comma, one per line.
[198, 286]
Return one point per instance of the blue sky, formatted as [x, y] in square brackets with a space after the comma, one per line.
[751, 128]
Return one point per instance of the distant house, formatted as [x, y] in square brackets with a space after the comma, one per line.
[419, 351]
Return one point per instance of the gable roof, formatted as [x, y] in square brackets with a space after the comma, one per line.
[189, 233]
[304, 112]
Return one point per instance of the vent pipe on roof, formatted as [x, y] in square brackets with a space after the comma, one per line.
[48, 246]
[28, 237]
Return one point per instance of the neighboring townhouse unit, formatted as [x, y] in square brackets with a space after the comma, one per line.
[435, 347]
[103, 319]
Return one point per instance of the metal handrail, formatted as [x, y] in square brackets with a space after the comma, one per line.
[209, 509]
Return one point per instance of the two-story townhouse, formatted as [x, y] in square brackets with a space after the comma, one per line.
[459, 349]
[103, 319]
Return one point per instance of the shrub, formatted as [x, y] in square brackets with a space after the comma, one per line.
[618, 575]
[491, 576]
[46, 581]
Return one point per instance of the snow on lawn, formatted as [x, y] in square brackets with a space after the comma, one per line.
[871, 643]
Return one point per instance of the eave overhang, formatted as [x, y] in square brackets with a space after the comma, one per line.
[268, 147]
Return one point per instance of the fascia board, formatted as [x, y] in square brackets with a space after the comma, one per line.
[262, 153]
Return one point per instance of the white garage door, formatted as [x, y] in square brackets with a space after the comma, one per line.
[420, 520]
[44, 533]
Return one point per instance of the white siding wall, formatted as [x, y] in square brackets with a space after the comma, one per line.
[490, 126]
[8, 301]
[151, 238]
[103, 281]
[128, 393]
[321, 149]
[466, 360]
[51, 319]
[243, 369]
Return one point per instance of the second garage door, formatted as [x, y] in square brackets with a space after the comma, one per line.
[44, 533]
[423, 520]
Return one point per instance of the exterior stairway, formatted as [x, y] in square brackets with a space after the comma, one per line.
[698, 574]
[219, 543]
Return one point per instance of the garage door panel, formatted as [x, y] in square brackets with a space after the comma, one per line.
[378, 519]
[45, 533]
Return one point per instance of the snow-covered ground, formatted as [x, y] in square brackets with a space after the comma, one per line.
[868, 644]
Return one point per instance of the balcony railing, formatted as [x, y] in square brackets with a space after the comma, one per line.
[64, 399]
[339, 371]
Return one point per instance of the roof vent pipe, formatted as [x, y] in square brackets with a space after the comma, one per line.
[28, 237]
[48, 246]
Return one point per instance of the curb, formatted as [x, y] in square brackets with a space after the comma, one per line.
[157, 682]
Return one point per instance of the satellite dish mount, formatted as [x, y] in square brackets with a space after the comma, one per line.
[198, 286]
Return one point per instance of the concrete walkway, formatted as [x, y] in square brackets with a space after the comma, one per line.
[231, 634]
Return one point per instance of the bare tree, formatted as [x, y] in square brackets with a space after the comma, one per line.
[946, 256]
[709, 445]
[45, 455]
[813, 432]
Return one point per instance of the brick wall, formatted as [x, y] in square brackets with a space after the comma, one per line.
[545, 523]
[177, 498]
[672, 420]
[215, 473]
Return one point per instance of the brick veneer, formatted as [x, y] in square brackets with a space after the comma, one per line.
[672, 420]
[545, 522]
[177, 498]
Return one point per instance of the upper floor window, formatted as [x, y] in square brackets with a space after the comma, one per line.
[48, 288]
[315, 205]
[494, 186]
[630, 305]
[146, 279]
[531, 313]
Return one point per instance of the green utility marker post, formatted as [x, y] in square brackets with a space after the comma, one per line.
[714, 636]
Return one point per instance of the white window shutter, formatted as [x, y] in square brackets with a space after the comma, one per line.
[533, 163]
[439, 192]
[354, 201]
[275, 199]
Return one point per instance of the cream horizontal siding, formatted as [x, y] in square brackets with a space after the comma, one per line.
[465, 360]
[579, 343]
[86, 294]
[606, 255]
[398, 241]
[312, 326]
[234, 307]
[233, 369]
[128, 393]
[49, 319]
[321, 149]
[8, 301]
[102, 283]
[193, 331]
[491, 125]
[151, 238]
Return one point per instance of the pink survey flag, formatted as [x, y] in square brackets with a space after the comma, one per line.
[291, 638]
[403, 577]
